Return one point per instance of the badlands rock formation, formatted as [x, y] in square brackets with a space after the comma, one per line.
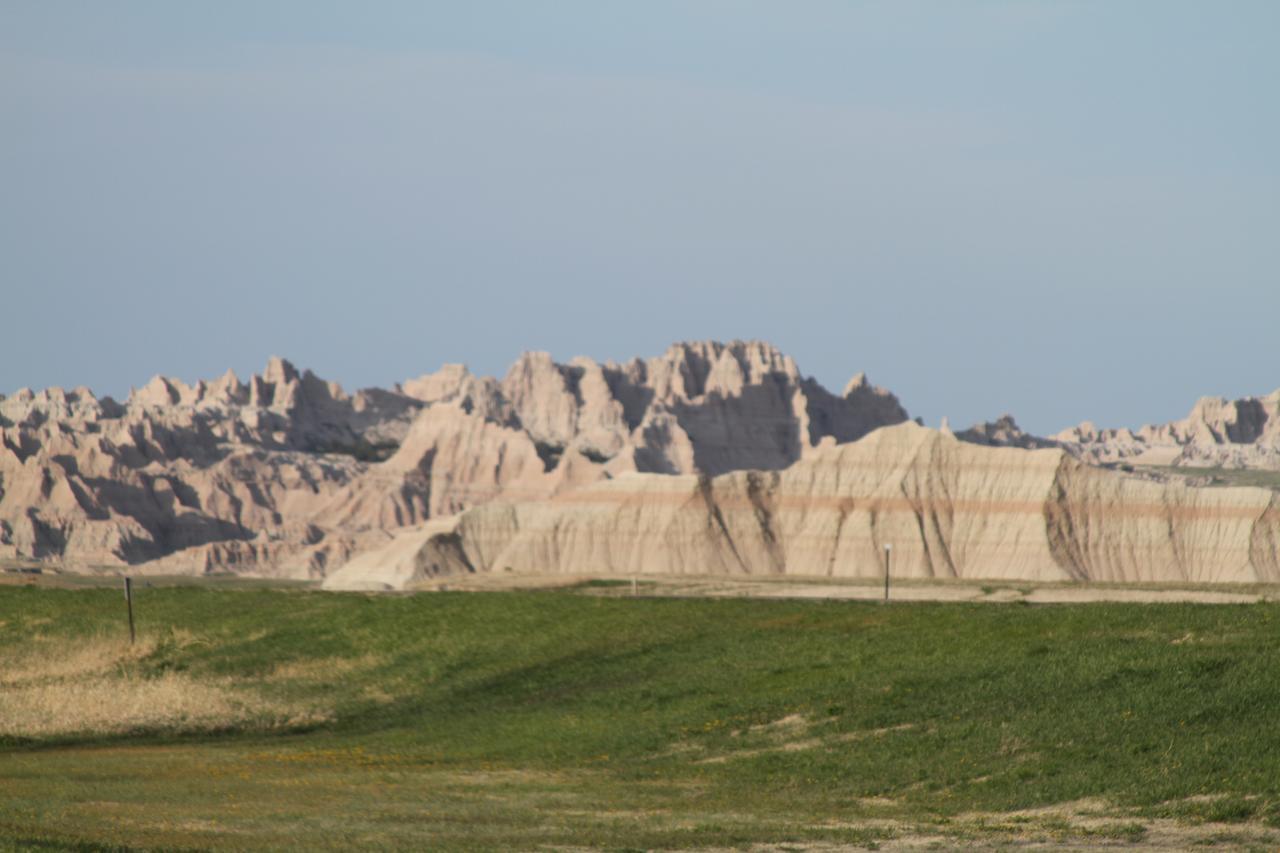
[1242, 433]
[1003, 432]
[225, 472]
[287, 474]
[949, 508]
[705, 407]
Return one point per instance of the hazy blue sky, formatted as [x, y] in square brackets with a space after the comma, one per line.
[1064, 210]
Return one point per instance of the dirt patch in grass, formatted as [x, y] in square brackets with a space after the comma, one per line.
[795, 724]
[1086, 824]
[867, 589]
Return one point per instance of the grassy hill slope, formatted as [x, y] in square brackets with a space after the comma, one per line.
[268, 718]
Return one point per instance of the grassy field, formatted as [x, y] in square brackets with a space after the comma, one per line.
[256, 718]
[1220, 476]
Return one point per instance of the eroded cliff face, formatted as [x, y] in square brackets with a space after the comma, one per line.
[287, 474]
[200, 470]
[949, 508]
[706, 407]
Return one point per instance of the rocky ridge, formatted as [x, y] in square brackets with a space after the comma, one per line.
[1217, 433]
[287, 474]
[948, 508]
[1243, 433]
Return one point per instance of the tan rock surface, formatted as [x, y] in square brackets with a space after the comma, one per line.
[287, 474]
[1242, 433]
[950, 509]
[711, 458]
[1003, 432]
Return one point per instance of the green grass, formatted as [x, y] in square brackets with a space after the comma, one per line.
[520, 720]
[612, 583]
[1221, 476]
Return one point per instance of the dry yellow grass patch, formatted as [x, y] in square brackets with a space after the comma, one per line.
[42, 660]
[325, 669]
[117, 704]
[95, 686]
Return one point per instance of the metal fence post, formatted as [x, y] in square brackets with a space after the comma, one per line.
[128, 599]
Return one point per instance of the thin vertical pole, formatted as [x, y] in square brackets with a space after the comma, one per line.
[887, 551]
[128, 598]
[633, 586]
